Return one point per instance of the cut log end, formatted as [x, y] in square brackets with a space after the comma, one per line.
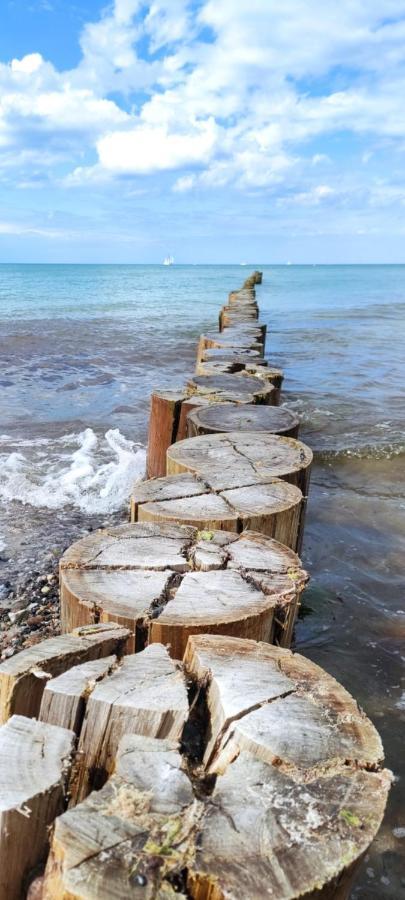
[167, 582]
[35, 760]
[222, 418]
[291, 805]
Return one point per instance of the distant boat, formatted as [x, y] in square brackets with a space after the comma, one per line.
[243, 264]
[168, 261]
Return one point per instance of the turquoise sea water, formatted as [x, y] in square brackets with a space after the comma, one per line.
[81, 347]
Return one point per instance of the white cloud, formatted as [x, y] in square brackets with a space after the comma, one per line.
[237, 109]
[152, 148]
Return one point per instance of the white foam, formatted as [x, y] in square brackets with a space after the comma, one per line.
[94, 474]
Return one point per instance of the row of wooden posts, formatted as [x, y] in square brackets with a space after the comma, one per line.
[168, 743]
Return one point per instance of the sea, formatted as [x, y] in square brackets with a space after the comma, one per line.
[82, 347]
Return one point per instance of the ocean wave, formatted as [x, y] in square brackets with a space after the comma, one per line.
[366, 451]
[94, 474]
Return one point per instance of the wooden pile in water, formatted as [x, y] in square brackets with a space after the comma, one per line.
[167, 744]
[243, 769]
[165, 582]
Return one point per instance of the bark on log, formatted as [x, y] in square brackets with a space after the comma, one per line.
[296, 795]
[145, 695]
[272, 507]
[23, 677]
[165, 408]
[34, 767]
[169, 409]
[174, 581]
[225, 417]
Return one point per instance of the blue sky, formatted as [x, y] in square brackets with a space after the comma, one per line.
[216, 131]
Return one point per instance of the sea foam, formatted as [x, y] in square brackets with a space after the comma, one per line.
[95, 474]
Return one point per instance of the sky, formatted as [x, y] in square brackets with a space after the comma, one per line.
[220, 131]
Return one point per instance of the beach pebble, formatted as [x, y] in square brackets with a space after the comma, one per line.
[34, 621]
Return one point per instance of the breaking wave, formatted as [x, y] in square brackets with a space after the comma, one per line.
[93, 473]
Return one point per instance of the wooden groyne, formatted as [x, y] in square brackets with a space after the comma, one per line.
[168, 743]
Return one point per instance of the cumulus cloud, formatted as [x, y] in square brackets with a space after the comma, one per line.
[216, 93]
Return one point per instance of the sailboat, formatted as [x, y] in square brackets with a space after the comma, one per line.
[168, 261]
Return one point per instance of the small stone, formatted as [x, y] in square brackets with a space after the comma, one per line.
[7, 653]
[45, 589]
[34, 620]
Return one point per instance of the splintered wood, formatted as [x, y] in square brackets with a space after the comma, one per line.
[165, 582]
[283, 800]
[23, 678]
[34, 767]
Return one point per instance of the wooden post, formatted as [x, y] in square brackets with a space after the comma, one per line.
[226, 417]
[23, 677]
[129, 838]
[169, 409]
[240, 458]
[231, 338]
[269, 506]
[165, 408]
[34, 767]
[288, 790]
[145, 695]
[65, 697]
[171, 581]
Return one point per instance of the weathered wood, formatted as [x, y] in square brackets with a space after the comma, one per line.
[272, 507]
[286, 708]
[23, 677]
[298, 795]
[145, 695]
[232, 315]
[289, 738]
[65, 697]
[165, 408]
[232, 338]
[238, 388]
[235, 459]
[178, 582]
[242, 459]
[225, 417]
[232, 354]
[288, 840]
[231, 363]
[169, 409]
[34, 766]
[127, 839]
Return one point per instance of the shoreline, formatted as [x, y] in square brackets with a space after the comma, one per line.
[325, 652]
